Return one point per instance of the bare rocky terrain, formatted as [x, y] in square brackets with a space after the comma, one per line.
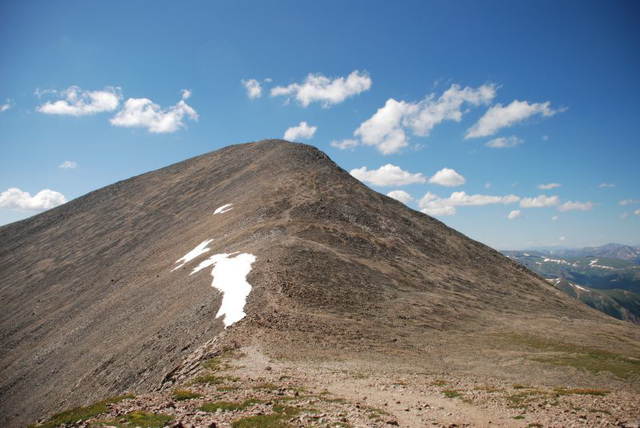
[362, 311]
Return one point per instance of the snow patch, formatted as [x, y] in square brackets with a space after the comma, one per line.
[198, 251]
[223, 209]
[579, 288]
[556, 261]
[230, 278]
[594, 264]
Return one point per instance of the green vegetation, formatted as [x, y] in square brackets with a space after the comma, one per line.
[520, 386]
[451, 393]
[518, 417]
[487, 388]
[229, 406]
[184, 394]
[522, 399]
[219, 362]
[267, 386]
[579, 357]
[277, 419]
[212, 379]
[82, 413]
[145, 419]
[439, 382]
[581, 391]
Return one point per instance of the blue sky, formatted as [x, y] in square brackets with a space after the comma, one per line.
[426, 87]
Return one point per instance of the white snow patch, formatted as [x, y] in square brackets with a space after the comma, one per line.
[223, 209]
[199, 250]
[594, 264]
[230, 278]
[526, 254]
[579, 288]
[556, 261]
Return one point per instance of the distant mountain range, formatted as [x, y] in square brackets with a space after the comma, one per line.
[606, 278]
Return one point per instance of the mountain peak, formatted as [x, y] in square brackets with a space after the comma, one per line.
[266, 244]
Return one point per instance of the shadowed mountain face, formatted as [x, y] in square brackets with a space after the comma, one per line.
[92, 305]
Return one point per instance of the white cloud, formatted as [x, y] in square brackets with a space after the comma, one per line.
[68, 165]
[549, 186]
[6, 106]
[624, 215]
[76, 102]
[539, 201]
[386, 129]
[144, 113]
[606, 185]
[434, 205]
[637, 212]
[629, 201]
[400, 195]
[254, 88]
[447, 177]
[319, 88]
[504, 142]
[576, 206]
[498, 117]
[16, 199]
[301, 132]
[42, 92]
[433, 111]
[387, 175]
[345, 144]
[514, 214]
[554, 218]
[562, 238]
[186, 94]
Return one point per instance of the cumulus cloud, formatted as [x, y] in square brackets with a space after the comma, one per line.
[386, 129]
[499, 116]
[253, 87]
[540, 201]
[629, 201]
[448, 106]
[68, 165]
[576, 206]
[186, 94]
[434, 205]
[301, 132]
[549, 186]
[400, 195]
[322, 89]
[76, 102]
[504, 142]
[447, 177]
[15, 199]
[514, 214]
[6, 106]
[144, 113]
[637, 212]
[345, 144]
[387, 175]
[606, 185]
[554, 218]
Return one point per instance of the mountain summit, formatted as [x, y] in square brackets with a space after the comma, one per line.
[268, 245]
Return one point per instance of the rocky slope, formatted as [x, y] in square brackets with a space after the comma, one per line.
[94, 307]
